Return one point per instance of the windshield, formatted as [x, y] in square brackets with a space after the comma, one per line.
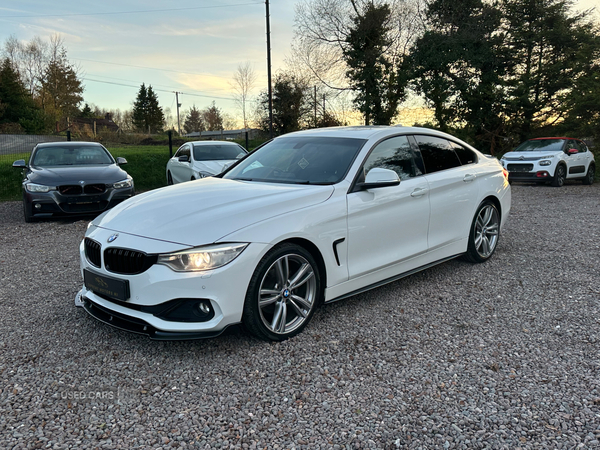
[299, 160]
[70, 155]
[218, 152]
[541, 145]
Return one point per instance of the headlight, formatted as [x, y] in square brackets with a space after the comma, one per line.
[32, 187]
[204, 174]
[124, 183]
[545, 163]
[202, 258]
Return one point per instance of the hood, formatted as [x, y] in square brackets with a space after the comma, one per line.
[202, 211]
[530, 156]
[91, 174]
[212, 167]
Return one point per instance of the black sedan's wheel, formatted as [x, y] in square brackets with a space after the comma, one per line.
[169, 179]
[283, 293]
[27, 212]
[559, 176]
[589, 176]
[485, 231]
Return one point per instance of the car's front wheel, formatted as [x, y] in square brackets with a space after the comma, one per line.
[283, 293]
[559, 176]
[485, 231]
[27, 211]
[589, 176]
[169, 179]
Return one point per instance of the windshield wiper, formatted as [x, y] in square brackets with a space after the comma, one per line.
[243, 179]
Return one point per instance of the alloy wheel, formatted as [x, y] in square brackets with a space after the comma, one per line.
[486, 231]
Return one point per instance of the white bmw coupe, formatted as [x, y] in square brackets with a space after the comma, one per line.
[310, 217]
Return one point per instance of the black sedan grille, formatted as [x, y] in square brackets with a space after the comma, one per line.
[519, 167]
[92, 252]
[126, 261]
[75, 189]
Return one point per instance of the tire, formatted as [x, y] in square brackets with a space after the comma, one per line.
[485, 231]
[589, 176]
[27, 212]
[283, 293]
[559, 176]
[169, 179]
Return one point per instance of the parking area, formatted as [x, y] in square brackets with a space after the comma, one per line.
[500, 355]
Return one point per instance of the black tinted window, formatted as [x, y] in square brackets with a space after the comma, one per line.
[437, 153]
[71, 155]
[465, 155]
[217, 152]
[394, 154]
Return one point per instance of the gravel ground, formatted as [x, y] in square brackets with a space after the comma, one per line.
[503, 355]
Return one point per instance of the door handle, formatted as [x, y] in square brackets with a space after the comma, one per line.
[418, 192]
[468, 177]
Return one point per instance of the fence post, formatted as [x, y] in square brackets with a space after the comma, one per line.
[170, 133]
[68, 135]
[246, 139]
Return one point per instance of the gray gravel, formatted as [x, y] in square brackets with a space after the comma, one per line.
[503, 355]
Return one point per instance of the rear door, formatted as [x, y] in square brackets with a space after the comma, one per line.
[453, 189]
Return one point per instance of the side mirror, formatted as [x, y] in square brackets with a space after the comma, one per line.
[20, 164]
[121, 161]
[184, 158]
[378, 178]
[572, 151]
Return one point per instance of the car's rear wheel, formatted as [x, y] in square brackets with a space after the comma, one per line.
[589, 176]
[485, 231]
[283, 294]
[559, 176]
[169, 179]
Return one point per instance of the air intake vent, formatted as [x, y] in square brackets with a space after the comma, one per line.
[126, 261]
[92, 252]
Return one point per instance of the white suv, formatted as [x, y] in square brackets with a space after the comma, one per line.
[552, 159]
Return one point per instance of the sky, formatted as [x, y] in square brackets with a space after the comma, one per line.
[191, 47]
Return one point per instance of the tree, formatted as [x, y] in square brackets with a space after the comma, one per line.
[551, 51]
[243, 82]
[458, 66]
[147, 115]
[17, 108]
[378, 84]
[212, 118]
[290, 109]
[193, 121]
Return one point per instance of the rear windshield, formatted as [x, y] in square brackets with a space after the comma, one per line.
[299, 160]
[218, 152]
[541, 145]
[70, 156]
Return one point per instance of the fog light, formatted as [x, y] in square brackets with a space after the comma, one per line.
[204, 308]
[37, 206]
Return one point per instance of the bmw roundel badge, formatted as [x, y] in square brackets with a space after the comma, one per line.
[112, 237]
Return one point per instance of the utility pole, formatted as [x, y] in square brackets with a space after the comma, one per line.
[269, 70]
[315, 106]
[178, 106]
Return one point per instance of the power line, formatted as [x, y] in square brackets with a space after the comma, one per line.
[148, 68]
[131, 12]
[159, 90]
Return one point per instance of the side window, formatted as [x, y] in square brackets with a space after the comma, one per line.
[178, 152]
[185, 151]
[437, 153]
[573, 144]
[582, 147]
[394, 154]
[466, 156]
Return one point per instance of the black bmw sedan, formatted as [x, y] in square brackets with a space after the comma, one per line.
[68, 178]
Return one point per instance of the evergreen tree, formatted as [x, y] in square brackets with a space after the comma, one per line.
[377, 84]
[193, 120]
[148, 116]
[17, 108]
[212, 118]
[290, 109]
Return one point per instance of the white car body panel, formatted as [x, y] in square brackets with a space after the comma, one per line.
[363, 238]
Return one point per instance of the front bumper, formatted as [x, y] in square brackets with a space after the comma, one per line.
[54, 203]
[150, 292]
[529, 171]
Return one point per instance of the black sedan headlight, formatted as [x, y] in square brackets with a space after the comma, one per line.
[37, 188]
[127, 183]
